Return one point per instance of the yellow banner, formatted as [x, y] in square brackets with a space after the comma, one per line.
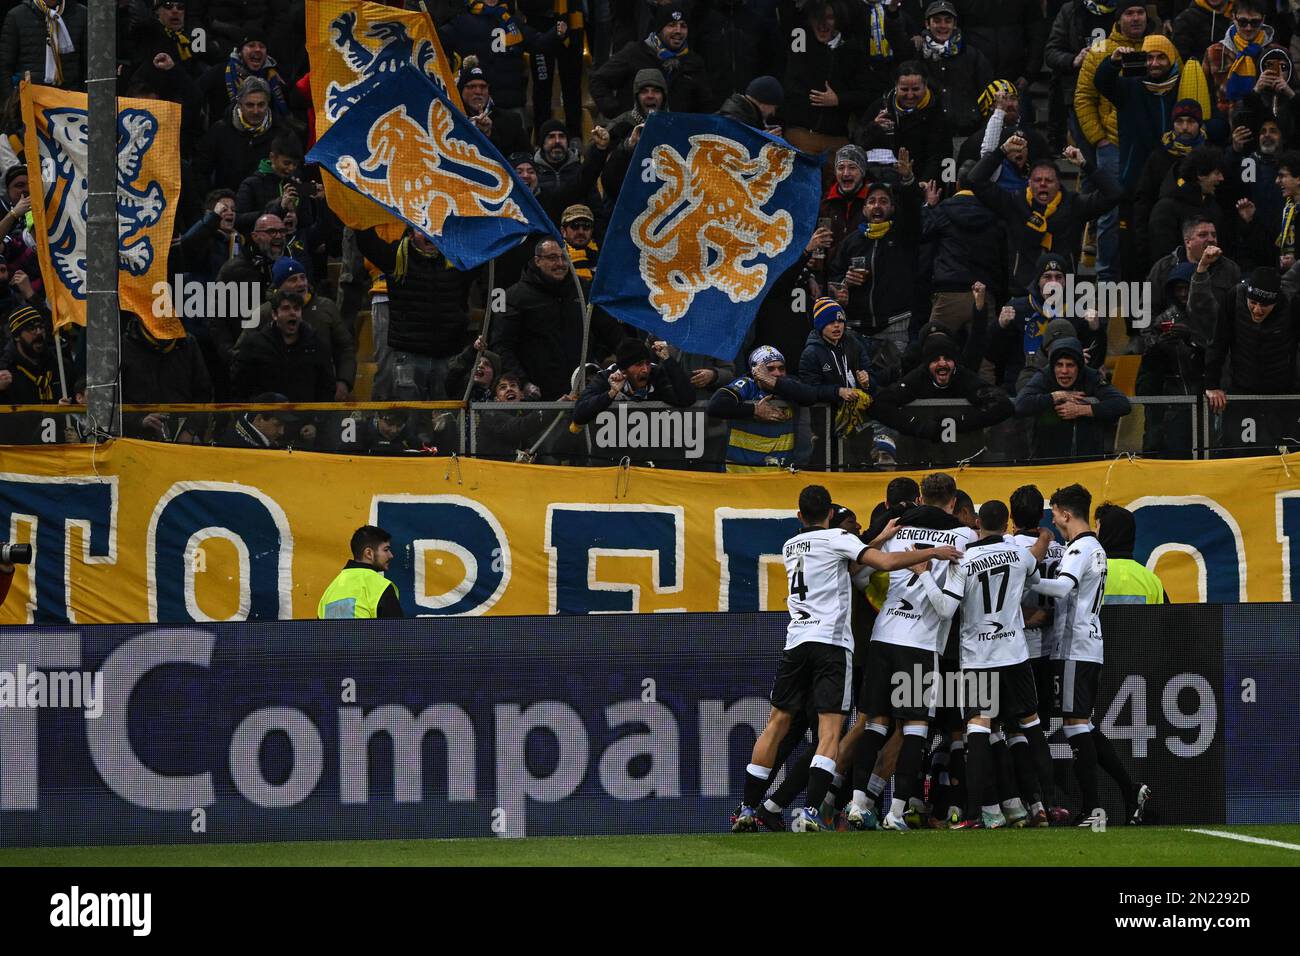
[153, 532]
[352, 46]
[149, 185]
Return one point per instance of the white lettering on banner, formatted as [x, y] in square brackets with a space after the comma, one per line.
[19, 739]
[245, 757]
[1239, 558]
[717, 721]
[659, 744]
[721, 516]
[407, 733]
[515, 781]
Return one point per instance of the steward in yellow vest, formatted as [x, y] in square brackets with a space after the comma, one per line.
[1127, 582]
[360, 590]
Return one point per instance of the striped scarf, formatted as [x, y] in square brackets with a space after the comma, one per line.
[1040, 220]
[1286, 238]
[1098, 8]
[1225, 11]
[1244, 71]
[932, 49]
[238, 121]
[57, 39]
[1177, 146]
[584, 260]
[668, 59]
[879, 49]
[501, 14]
[236, 73]
[43, 382]
[876, 230]
[182, 43]
[570, 11]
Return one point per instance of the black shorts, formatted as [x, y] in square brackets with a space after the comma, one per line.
[1043, 686]
[1001, 693]
[1075, 683]
[814, 673]
[880, 687]
[948, 717]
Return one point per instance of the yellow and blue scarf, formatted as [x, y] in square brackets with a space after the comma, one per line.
[501, 14]
[1244, 71]
[668, 58]
[1286, 238]
[1040, 220]
[879, 48]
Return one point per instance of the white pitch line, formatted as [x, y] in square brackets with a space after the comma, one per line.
[1247, 839]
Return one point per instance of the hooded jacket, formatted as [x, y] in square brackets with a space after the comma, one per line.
[1056, 437]
[24, 39]
[573, 181]
[968, 243]
[1260, 355]
[1212, 289]
[1096, 113]
[988, 403]
[822, 363]
[1010, 348]
[1220, 56]
[668, 382]
[688, 80]
[923, 132]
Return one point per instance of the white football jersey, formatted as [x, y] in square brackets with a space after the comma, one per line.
[992, 580]
[907, 617]
[1041, 640]
[1084, 563]
[817, 569]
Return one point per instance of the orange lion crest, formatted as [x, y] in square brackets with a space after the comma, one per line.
[711, 202]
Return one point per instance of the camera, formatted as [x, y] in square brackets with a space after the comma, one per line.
[15, 554]
[1133, 64]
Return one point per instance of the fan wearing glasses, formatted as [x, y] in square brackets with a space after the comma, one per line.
[1246, 60]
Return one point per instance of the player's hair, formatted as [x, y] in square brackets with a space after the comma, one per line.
[814, 504]
[368, 536]
[841, 514]
[900, 490]
[993, 516]
[1027, 506]
[1075, 499]
[964, 501]
[938, 489]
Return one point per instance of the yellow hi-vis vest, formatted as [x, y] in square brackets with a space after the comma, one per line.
[354, 593]
[1128, 582]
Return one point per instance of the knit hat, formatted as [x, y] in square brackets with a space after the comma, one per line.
[649, 77]
[764, 354]
[672, 13]
[285, 268]
[519, 158]
[988, 99]
[1117, 531]
[287, 419]
[629, 352]
[1053, 262]
[22, 317]
[1188, 108]
[252, 35]
[1158, 43]
[470, 72]
[494, 360]
[1056, 330]
[880, 186]
[825, 311]
[1121, 7]
[13, 172]
[852, 154]
[549, 127]
[1265, 285]
[766, 90]
[1068, 345]
[939, 344]
[1182, 272]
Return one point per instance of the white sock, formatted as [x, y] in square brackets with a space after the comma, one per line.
[897, 808]
[1037, 807]
[773, 806]
[877, 786]
[992, 810]
[1013, 804]
[860, 799]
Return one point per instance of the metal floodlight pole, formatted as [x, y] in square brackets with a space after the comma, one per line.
[102, 325]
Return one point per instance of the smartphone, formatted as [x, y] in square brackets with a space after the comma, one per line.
[1133, 64]
[858, 262]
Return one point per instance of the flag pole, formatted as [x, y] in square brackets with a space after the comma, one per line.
[102, 322]
[586, 334]
[487, 324]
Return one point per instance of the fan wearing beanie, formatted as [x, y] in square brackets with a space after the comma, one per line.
[834, 355]
[757, 106]
[640, 373]
[666, 49]
[489, 31]
[1258, 339]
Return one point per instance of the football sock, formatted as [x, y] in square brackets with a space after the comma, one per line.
[820, 775]
[1085, 763]
[909, 765]
[1041, 754]
[1023, 764]
[1005, 781]
[796, 779]
[865, 760]
[1110, 762]
[756, 778]
[978, 769]
[957, 774]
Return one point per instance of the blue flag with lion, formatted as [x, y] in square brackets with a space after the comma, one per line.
[405, 147]
[710, 216]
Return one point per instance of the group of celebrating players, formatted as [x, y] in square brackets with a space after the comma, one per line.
[1022, 611]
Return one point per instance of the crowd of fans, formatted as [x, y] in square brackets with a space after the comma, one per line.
[984, 161]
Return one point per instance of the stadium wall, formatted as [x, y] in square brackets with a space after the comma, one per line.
[145, 532]
[553, 725]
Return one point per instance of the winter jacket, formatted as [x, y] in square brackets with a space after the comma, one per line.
[229, 20]
[324, 318]
[24, 41]
[1209, 293]
[825, 364]
[923, 133]
[1096, 113]
[1010, 34]
[890, 288]
[261, 189]
[573, 181]
[1259, 185]
[470, 35]
[247, 267]
[1056, 437]
[688, 81]
[1260, 355]
[1072, 30]
[958, 81]
[264, 362]
[1218, 61]
[1141, 117]
[669, 383]
[1010, 348]
[1173, 363]
[988, 403]
[843, 68]
[1036, 143]
[1196, 28]
[204, 249]
[1064, 226]
[969, 244]
[1181, 199]
[173, 374]
[740, 44]
[428, 308]
[741, 108]
[540, 332]
[227, 155]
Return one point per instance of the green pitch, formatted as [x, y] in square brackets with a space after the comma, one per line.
[1119, 846]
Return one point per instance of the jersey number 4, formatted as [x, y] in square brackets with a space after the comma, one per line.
[1005, 574]
[797, 586]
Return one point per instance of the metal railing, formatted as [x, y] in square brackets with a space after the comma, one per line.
[660, 435]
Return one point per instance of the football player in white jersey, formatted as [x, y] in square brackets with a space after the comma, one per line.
[1076, 661]
[997, 683]
[817, 661]
[906, 641]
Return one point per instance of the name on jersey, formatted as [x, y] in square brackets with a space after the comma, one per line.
[995, 560]
[797, 547]
[927, 536]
